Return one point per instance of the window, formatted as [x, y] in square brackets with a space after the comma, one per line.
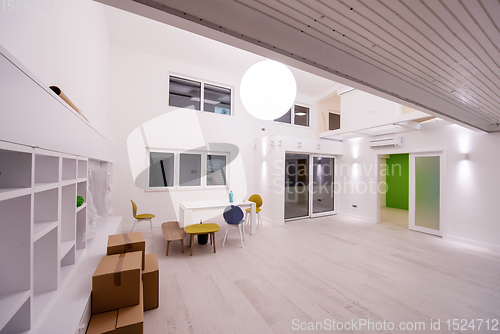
[182, 170]
[301, 116]
[217, 99]
[185, 93]
[333, 121]
[216, 170]
[297, 115]
[190, 170]
[161, 170]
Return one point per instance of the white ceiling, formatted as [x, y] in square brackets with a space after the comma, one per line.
[441, 56]
[142, 34]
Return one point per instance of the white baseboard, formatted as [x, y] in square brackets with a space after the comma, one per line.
[356, 217]
[267, 221]
[492, 247]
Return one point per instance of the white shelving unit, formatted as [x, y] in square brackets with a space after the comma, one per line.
[43, 231]
[42, 169]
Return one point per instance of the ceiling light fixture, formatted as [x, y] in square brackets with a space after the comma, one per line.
[268, 90]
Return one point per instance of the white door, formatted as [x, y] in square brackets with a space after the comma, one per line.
[426, 192]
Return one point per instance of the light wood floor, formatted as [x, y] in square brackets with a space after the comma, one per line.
[323, 268]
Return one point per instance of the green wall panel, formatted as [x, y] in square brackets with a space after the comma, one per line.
[398, 179]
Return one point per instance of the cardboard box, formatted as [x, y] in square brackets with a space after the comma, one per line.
[151, 282]
[103, 323]
[129, 320]
[126, 243]
[116, 282]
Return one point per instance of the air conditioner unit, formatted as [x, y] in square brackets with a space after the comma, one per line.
[387, 142]
[344, 90]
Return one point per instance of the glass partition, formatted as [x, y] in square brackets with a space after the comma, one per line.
[296, 185]
[323, 182]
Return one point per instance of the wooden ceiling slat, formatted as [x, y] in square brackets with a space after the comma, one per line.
[454, 34]
[394, 59]
[438, 37]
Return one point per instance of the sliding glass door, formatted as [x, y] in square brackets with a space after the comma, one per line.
[296, 185]
[309, 185]
[323, 180]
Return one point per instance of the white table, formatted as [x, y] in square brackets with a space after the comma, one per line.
[186, 209]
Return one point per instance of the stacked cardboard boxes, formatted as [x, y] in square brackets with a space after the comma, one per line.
[124, 285]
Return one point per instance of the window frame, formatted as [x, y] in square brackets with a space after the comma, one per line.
[177, 161]
[202, 95]
[292, 116]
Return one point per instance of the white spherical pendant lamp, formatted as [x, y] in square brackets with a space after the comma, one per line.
[268, 90]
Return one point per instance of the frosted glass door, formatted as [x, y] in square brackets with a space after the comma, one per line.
[425, 210]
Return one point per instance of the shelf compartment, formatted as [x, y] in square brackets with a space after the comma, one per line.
[67, 263]
[46, 206]
[81, 190]
[69, 169]
[81, 207]
[15, 245]
[10, 193]
[17, 318]
[39, 187]
[46, 169]
[68, 213]
[82, 169]
[41, 303]
[41, 229]
[45, 265]
[15, 169]
[81, 228]
[10, 305]
[65, 248]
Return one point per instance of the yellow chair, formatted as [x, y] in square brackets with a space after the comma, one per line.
[258, 203]
[141, 217]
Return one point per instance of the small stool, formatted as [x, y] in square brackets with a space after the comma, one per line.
[171, 231]
[207, 228]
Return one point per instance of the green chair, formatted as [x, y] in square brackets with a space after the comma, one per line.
[258, 203]
[141, 217]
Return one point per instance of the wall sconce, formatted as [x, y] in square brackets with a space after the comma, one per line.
[279, 143]
[272, 143]
[464, 156]
[299, 145]
[319, 146]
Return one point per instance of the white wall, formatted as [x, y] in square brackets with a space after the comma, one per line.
[383, 180]
[139, 113]
[471, 207]
[358, 108]
[66, 47]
